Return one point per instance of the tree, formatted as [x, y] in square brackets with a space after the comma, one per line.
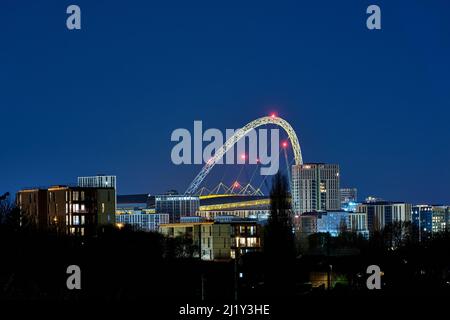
[5, 207]
[279, 240]
[397, 233]
[9, 213]
[180, 247]
[11, 216]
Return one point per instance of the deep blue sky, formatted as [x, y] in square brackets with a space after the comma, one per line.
[106, 98]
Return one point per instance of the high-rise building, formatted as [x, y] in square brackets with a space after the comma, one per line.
[70, 210]
[430, 220]
[315, 187]
[177, 206]
[382, 213]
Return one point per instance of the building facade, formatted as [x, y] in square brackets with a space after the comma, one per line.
[349, 195]
[98, 181]
[315, 187]
[382, 213]
[331, 222]
[69, 210]
[219, 240]
[430, 220]
[258, 214]
[177, 206]
[33, 202]
[141, 220]
[358, 223]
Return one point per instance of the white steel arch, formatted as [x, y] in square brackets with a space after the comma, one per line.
[239, 134]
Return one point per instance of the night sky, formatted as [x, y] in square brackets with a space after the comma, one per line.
[105, 99]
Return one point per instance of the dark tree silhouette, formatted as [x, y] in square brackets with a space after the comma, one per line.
[180, 247]
[4, 196]
[5, 207]
[9, 213]
[279, 240]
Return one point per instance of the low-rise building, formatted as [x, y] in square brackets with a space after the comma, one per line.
[176, 205]
[219, 240]
[358, 223]
[141, 220]
[382, 213]
[331, 222]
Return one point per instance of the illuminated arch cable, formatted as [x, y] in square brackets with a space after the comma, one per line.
[238, 135]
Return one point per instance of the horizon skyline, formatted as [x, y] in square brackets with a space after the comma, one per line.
[283, 171]
[360, 199]
[180, 190]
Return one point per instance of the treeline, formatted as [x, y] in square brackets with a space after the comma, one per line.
[115, 264]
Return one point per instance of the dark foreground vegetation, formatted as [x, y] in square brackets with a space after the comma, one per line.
[121, 265]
